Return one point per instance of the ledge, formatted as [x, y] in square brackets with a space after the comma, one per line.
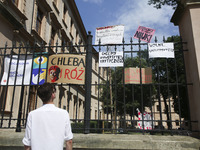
[12, 139]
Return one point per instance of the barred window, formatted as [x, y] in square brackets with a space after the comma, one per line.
[39, 21]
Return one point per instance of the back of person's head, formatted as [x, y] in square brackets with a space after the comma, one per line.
[45, 91]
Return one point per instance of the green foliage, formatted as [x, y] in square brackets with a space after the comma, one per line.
[159, 3]
[168, 83]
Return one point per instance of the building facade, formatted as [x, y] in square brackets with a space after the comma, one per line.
[53, 23]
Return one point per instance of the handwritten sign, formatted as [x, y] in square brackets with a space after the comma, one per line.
[18, 71]
[111, 59]
[144, 34]
[161, 50]
[109, 34]
[132, 75]
[66, 69]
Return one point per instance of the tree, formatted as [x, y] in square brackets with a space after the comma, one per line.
[171, 79]
[126, 97]
[159, 3]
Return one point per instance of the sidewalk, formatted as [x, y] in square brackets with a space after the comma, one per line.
[11, 140]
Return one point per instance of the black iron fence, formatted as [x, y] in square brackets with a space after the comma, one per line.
[147, 95]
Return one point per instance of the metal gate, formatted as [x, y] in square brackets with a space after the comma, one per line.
[106, 103]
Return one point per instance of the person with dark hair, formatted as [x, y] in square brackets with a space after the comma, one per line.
[48, 126]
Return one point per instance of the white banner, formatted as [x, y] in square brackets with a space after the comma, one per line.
[109, 34]
[148, 124]
[17, 73]
[161, 50]
[111, 59]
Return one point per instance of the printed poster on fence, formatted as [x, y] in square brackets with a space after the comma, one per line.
[109, 34]
[132, 75]
[148, 124]
[64, 68]
[17, 70]
[161, 50]
[144, 34]
[39, 63]
[111, 59]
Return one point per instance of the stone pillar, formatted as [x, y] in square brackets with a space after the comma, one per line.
[187, 17]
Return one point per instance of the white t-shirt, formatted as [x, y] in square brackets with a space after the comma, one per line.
[47, 128]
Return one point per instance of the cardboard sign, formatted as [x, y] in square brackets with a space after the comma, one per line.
[161, 50]
[111, 59]
[19, 69]
[109, 34]
[132, 75]
[64, 68]
[144, 34]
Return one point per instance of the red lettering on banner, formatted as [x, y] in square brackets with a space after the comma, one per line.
[74, 74]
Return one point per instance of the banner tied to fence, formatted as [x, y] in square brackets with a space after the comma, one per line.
[161, 50]
[111, 59]
[132, 75]
[109, 34]
[144, 34]
[66, 68]
[17, 70]
[39, 70]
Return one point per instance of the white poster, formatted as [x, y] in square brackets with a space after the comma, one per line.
[109, 34]
[16, 70]
[148, 124]
[161, 50]
[111, 59]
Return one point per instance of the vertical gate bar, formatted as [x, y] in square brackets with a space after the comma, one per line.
[88, 76]
[13, 95]
[169, 122]
[150, 90]
[28, 46]
[141, 86]
[177, 88]
[7, 83]
[107, 94]
[158, 92]
[4, 97]
[76, 102]
[23, 80]
[132, 88]
[186, 84]
[68, 97]
[18, 129]
[98, 124]
[124, 100]
[115, 100]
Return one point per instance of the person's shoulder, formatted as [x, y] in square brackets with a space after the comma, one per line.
[61, 110]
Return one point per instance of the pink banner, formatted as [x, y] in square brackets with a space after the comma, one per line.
[144, 34]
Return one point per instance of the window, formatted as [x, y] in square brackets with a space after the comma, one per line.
[96, 87]
[158, 107]
[95, 114]
[177, 123]
[65, 13]
[71, 27]
[96, 65]
[53, 33]
[39, 21]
